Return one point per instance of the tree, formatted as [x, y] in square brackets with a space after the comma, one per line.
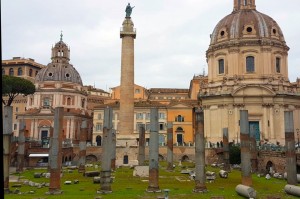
[13, 86]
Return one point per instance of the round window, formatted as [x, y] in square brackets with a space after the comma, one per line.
[50, 74]
[249, 29]
[222, 33]
[274, 31]
[67, 75]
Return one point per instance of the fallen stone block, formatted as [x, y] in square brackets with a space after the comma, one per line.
[37, 175]
[91, 173]
[16, 185]
[141, 171]
[68, 182]
[97, 180]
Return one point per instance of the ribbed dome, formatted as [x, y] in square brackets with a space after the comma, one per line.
[59, 72]
[59, 69]
[247, 24]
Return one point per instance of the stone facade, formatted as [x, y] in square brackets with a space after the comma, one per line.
[248, 70]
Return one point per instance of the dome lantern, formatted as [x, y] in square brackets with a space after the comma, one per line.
[244, 5]
[60, 52]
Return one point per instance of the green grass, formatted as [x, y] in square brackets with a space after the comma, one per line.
[126, 186]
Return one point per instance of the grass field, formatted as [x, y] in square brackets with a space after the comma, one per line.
[126, 186]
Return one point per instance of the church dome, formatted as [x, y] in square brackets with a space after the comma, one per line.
[59, 72]
[59, 69]
[246, 23]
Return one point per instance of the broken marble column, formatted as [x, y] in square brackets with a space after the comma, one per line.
[153, 152]
[245, 149]
[170, 146]
[7, 134]
[253, 151]
[141, 157]
[291, 167]
[21, 146]
[113, 151]
[82, 146]
[200, 176]
[105, 174]
[226, 150]
[245, 191]
[55, 152]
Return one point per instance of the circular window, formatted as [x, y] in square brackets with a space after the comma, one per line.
[50, 74]
[249, 29]
[53, 66]
[66, 66]
[67, 75]
[274, 31]
[222, 33]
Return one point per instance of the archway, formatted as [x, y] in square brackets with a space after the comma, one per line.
[270, 167]
[185, 158]
[91, 159]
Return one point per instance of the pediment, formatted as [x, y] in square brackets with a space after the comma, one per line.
[179, 105]
[253, 90]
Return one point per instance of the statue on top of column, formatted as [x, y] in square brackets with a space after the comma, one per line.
[128, 10]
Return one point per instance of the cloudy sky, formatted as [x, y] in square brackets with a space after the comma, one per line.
[172, 36]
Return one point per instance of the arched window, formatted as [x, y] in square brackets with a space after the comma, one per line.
[99, 140]
[250, 67]
[3, 71]
[36, 72]
[68, 101]
[20, 72]
[30, 72]
[11, 72]
[221, 66]
[278, 64]
[179, 118]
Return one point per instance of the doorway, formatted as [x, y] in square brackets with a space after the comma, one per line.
[99, 140]
[125, 159]
[254, 126]
[180, 139]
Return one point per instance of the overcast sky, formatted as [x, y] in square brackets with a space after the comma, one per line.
[172, 36]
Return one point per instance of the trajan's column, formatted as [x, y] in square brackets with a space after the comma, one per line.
[125, 137]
